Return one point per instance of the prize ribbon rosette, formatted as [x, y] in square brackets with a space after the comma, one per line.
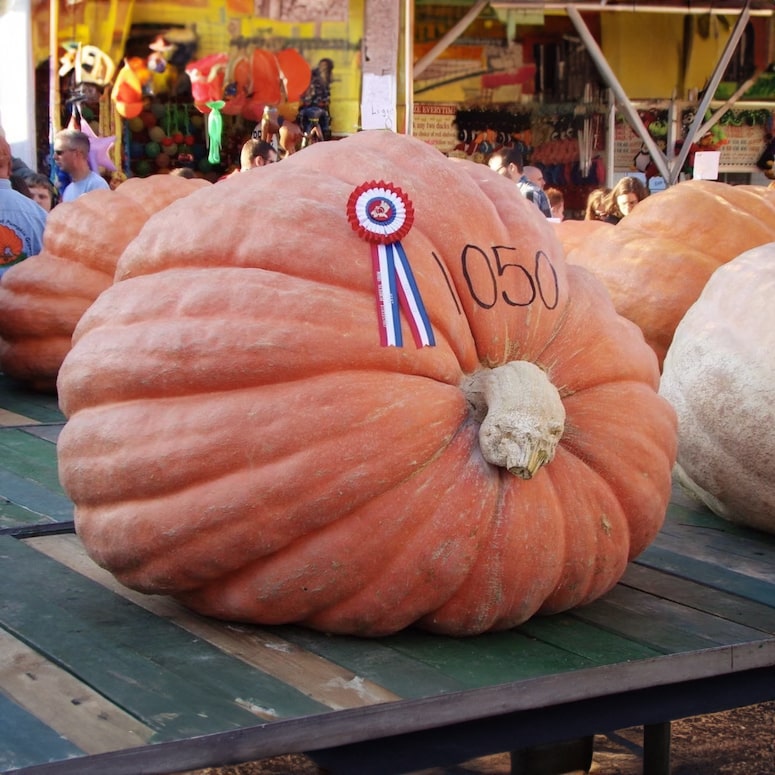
[382, 214]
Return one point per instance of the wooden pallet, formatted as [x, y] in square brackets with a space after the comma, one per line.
[95, 678]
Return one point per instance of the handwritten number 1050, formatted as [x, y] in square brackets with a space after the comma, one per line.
[516, 284]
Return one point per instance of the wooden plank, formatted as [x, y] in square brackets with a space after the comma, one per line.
[486, 659]
[12, 515]
[376, 661]
[711, 540]
[694, 595]
[175, 683]
[320, 679]
[599, 645]
[662, 624]
[26, 741]
[35, 498]
[711, 574]
[47, 432]
[37, 407]
[31, 458]
[8, 419]
[64, 704]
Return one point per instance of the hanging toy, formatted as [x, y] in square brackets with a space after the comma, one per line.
[214, 131]
[127, 92]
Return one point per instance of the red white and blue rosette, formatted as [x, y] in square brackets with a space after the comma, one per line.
[382, 214]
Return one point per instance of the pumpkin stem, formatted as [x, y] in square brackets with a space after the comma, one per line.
[521, 414]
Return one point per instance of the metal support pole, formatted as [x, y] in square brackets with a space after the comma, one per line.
[408, 66]
[710, 90]
[657, 156]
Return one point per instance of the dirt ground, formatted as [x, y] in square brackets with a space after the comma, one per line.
[736, 742]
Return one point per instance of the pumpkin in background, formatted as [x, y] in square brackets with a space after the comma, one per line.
[239, 438]
[571, 233]
[719, 374]
[43, 297]
[657, 260]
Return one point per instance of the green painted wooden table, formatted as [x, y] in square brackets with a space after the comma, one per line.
[95, 678]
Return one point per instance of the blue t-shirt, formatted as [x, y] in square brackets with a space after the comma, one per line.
[22, 222]
[91, 182]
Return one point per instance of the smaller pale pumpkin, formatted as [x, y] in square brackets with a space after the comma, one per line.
[719, 375]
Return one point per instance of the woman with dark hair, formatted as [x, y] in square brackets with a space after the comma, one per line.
[626, 194]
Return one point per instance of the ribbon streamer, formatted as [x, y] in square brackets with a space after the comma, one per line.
[381, 214]
[396, 286]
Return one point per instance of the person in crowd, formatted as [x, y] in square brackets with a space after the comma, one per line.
[509, 162]
[626, 194]
[18, 183]
[315, 103]
[183, 172]
[531, 184]
[256, 153]
[597, 204]
[42, 191]
[556, 203]
[71, 153]
[22, 221]
[534, 175]
[20, 169]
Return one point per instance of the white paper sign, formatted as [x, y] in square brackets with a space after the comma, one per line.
[378, 102]
[706, 165]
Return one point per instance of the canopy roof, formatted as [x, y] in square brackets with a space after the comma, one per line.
[645, 6]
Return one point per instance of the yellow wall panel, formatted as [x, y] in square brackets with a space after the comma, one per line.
[646, 52]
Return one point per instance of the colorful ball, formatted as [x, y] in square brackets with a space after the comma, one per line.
[157, 134]
[152, 150]
[136, 124]
[148, 119]
[144, 168]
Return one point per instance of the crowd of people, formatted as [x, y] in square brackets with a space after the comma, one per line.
[27, 197]
[604, 204]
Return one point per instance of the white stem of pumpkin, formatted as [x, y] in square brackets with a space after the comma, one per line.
[521, 414]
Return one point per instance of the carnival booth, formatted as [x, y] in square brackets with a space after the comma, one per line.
[160, 86]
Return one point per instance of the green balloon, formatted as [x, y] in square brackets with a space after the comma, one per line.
[152, 150]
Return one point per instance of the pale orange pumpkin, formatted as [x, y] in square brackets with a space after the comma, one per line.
[719, 375]
[657, 260]
[571, 233]
[239, 438]
[43, 297]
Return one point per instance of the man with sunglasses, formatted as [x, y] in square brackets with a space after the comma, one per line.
[71, 154]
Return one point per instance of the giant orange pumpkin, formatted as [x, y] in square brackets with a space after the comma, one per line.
[43, 297]
[571, 233]
[239, 437]
[657, 260]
